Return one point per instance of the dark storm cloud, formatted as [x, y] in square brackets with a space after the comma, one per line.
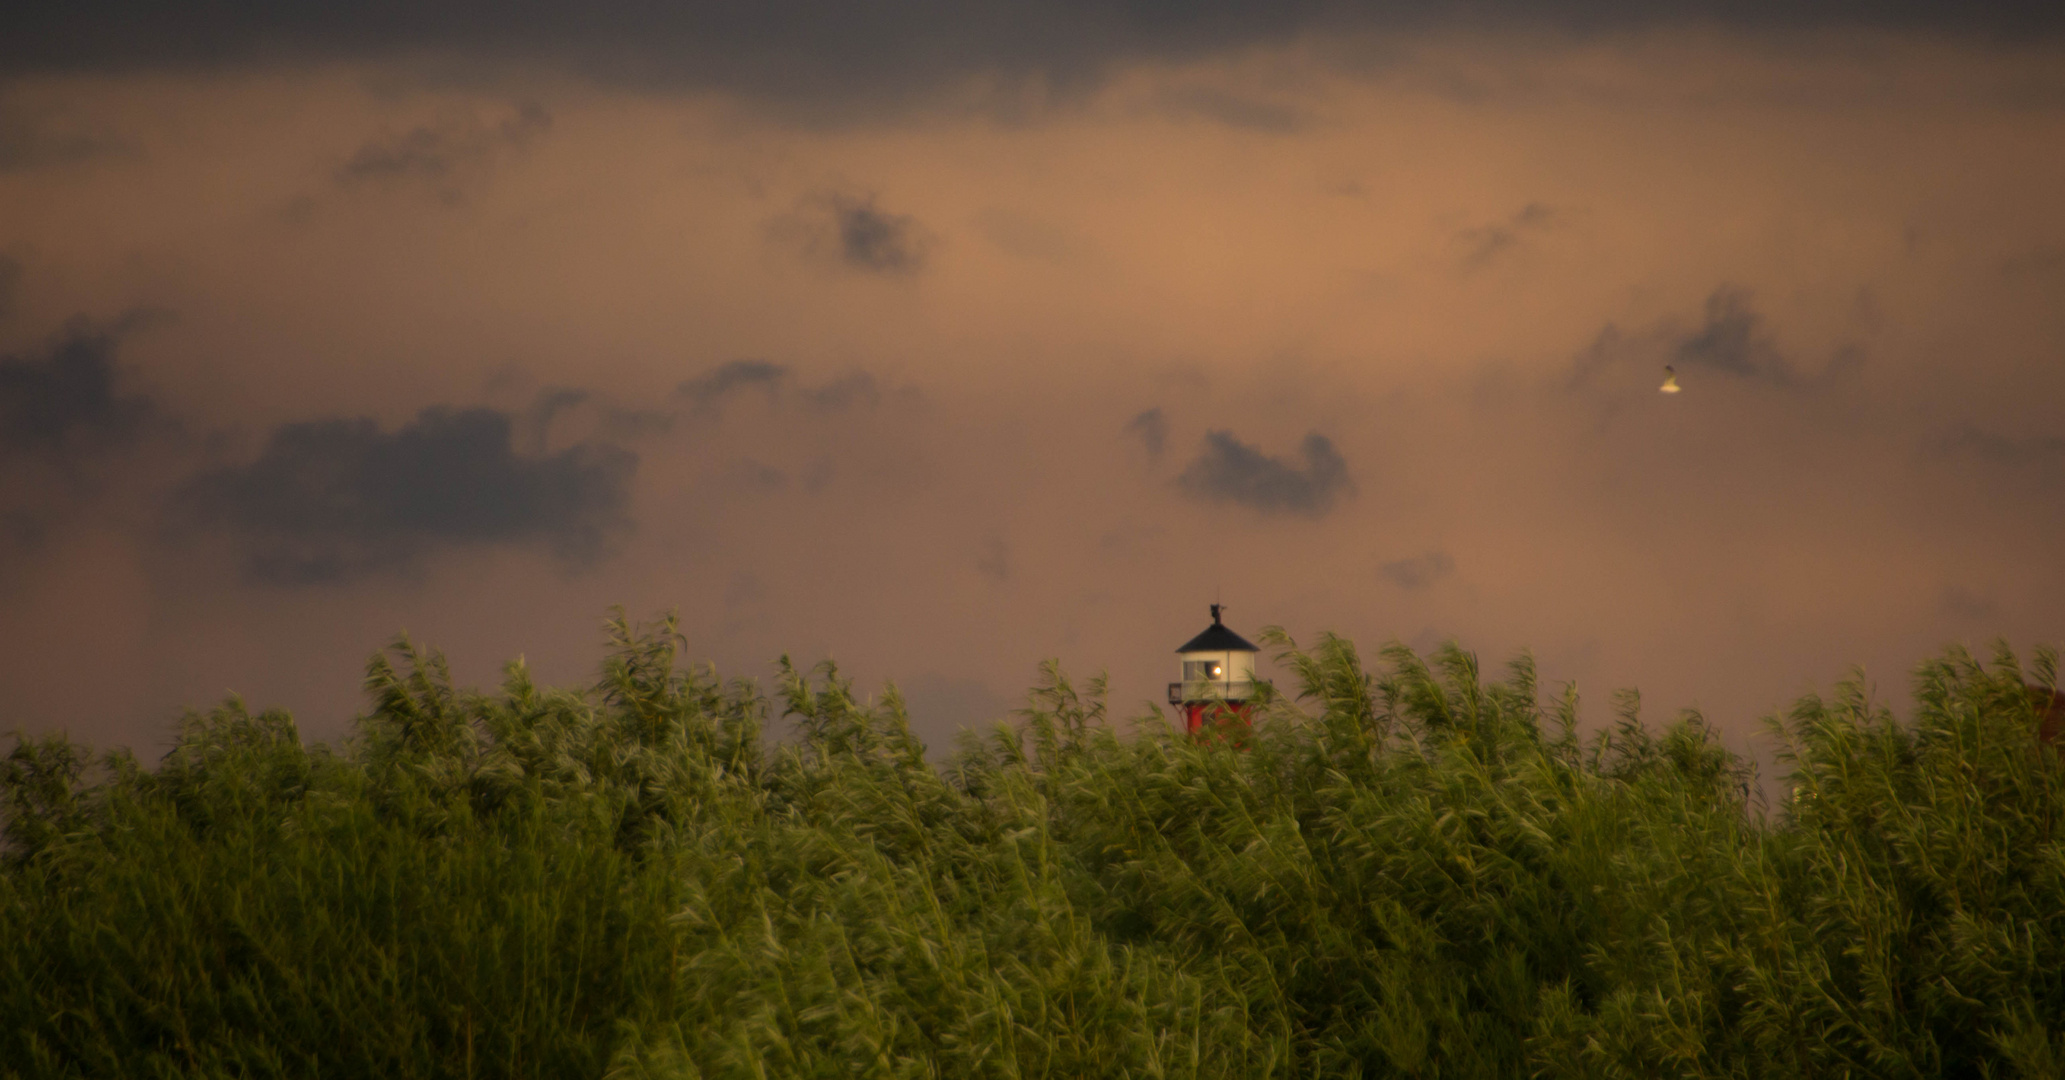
[68, 433]
[844, 392]
[64, 400]
[824, 51]
[873, 240]
[437, 153]
[421, 152]
[1610, 349]
[1733, 339]
[552, 403]
[565, 414]
[1229, 470]
[726, 379]
[1481, 245]
[2041, 456]
[1419, 571]
[330, 500]
[711, 390]
[1152, 428]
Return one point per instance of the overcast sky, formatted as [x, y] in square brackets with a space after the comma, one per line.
[946, 338]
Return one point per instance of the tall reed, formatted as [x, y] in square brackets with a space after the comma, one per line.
[1406, 868]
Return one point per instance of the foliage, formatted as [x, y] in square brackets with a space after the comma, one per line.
[1400, 871]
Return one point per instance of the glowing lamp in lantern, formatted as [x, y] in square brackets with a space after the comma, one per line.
[1218, 676]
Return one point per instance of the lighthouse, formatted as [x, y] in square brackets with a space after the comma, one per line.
[1218, 676]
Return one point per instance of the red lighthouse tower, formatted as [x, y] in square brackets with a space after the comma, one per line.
[1218, 676]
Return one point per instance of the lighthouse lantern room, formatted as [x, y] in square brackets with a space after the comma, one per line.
[1218, 675]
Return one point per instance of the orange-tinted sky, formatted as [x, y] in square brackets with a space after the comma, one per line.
[943, 368]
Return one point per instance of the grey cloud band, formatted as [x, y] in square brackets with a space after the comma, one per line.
[814, 48]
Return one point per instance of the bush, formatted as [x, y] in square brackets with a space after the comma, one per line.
[1406, 872]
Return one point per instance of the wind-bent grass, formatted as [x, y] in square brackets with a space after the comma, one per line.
[1411, 872]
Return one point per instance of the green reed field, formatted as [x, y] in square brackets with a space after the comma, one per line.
[1413, 869]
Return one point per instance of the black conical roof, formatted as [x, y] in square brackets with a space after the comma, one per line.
[1217, 638]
